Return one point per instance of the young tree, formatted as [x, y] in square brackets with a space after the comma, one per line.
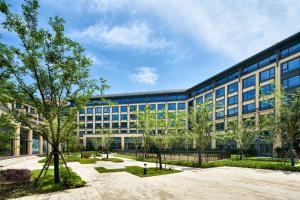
[47, 71]
[200, 127]
[106, 140]
[7, 133]
[96, 144]
[145, 123]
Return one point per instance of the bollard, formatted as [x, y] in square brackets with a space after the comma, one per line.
[145, 169]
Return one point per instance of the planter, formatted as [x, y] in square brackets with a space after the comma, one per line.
[12, 185]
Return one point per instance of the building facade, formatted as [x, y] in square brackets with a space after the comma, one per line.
[237, 91]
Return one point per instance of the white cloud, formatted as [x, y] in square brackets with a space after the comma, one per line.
[135, 35]
[144, 75]
[234, 28]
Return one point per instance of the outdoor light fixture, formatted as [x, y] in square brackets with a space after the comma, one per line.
[145, 168]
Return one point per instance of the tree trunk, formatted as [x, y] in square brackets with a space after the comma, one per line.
[199, 157]
[159, 159]
[107, 153]
[56, 165]
[241, 154]
[292, 152]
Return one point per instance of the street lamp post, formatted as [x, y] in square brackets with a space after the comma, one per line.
[145, 169]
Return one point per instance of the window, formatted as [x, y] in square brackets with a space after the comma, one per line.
[82, 111]
[291, 50]
[233, 87]
[123, 124]
[267, 89]
[90, 118]
[106, 109]
[81, 118]
[89, 125]
[249, 95]
[232, 112]
[115, 117]
[161, 106]
[98, 117]
[266, 61]
[81, 125]
[233, 100]
[291, 82]
[115, 125]
[266, 104]
[221, 81]
[89, 110]
[208, 96]
[220, 92]
[171, 106]
[132, 116]
[123, 108]
[267, 74]
[220, 126]
[115, 109]
[81, 133]
[220, 115]
[233, 76]
[32, 110]
[250, 68]
[220, 104]
[248, 108]
[142, 107]
[250, 81]
[133, 108]
[106, 125]
[98, 110]
[98, 125]
[181, 106]
[106, 118]
[123, 116]
[152, 107]
[132, 125]
[290, 65]
[199, 100]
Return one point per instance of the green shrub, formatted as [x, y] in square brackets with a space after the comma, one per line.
[116, 160]
[88, 160]
[15, 175]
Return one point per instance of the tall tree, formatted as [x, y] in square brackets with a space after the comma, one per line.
[106, 141]
[47, 70]
[7, 133]
[200, 126]
[96, 141]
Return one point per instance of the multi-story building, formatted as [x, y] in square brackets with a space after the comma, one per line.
[25, 141]
[237, 91]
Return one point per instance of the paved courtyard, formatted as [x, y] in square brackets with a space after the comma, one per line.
[213, 183]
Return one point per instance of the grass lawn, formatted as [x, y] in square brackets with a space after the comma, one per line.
[74, 159]
[88, 160]
[116, 160]
[256, 163]
[139, 171]
[47, 185]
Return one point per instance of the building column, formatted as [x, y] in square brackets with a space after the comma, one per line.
[29, 142]
[122, 143]
[213, 143]
[16, 142]
[41, 143]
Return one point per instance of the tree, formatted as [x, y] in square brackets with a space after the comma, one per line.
[106, 141]
[47, 71]
[200, 119]
[96, 144]
[7, 133]
[145, 123]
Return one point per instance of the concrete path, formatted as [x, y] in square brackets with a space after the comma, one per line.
[213, 183]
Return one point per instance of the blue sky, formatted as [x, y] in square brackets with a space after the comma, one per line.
[145, 45]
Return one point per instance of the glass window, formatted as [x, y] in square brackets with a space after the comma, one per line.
[291, 50]
[90, 118]
[89, 125]
[248, 108]
[98, 110]
[250, 81]
[106, 109]
[82, 111]
[98, 117]
[106, 118]
[208, 96]
[220, 115]
[221, 81]
[81, 118]
[199, 100]
[250, 68]
[267, 74]
[132, 125]
[232, 112]
[106, 125]
[220, 92]
[171, 98]
[115, 117]
[249, 95]
[233, 76]
[266, 104]
[115, 125]
[81, 133]
[267, 60]
[89, 110]
[233, 87]
[181, 106]
[115, 109]
[98, 125]
[123, 116]
[81, 125]
[142, 107]
[123, 124]
[291, 82]
[152, 107]
[123, 108]
[220, 126]
[171, 106]
[161, 106]
[133, 108]
[132, 116]
[220, 104]
[267, 89]
[290, 65]
[233, 100]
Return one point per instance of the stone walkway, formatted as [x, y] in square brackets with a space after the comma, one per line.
[213, 183]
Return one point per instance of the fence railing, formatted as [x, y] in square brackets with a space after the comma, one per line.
[181, 155]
